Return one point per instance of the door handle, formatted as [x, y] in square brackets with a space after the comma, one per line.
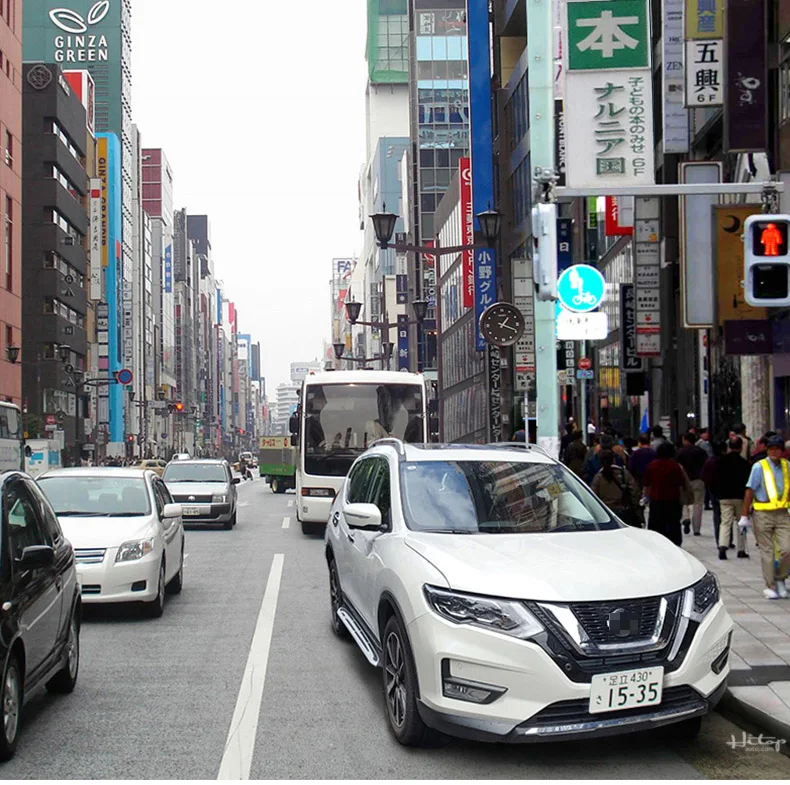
[350, 536]
[58, 582]
[336, 519]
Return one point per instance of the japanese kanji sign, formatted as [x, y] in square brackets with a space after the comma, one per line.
[704, 19]
[607, 34]
[646, 295]
[608, 94]
[485, 288]
[705, 73]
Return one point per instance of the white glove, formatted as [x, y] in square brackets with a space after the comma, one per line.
[744, 524]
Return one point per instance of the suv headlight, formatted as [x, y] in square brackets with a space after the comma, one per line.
[135, 549]
[701, 597]
[491, 613]
[219, 498]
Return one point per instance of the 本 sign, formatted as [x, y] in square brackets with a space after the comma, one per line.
[607, 34]
[705, 73]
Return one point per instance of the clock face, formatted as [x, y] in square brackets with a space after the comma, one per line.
[502, 324]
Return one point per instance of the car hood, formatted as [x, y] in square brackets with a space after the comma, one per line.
[196, 488]
[104, 532]
[561, 567]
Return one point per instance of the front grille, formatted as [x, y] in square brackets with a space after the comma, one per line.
[205, 499]
[573, 711]
[91, 588]
[89, 555]
[594, 618]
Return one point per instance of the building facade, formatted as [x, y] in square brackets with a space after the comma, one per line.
[10, 199]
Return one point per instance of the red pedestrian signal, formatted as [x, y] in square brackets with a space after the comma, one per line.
[179, 406]
[767, 261]
[768, 238]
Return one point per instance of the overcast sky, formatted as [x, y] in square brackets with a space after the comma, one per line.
[260, 110]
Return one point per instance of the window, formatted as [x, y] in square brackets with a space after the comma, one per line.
[9, 335]
[8, 243]
[56, 218]
[48, 516]
[23, 526]
[9, 148]
[380, 488]
[358, 482]
[63, 136]
[784, 91]
[60, 176]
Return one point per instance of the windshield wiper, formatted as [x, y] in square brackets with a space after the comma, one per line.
[79, 514]
[448, 531]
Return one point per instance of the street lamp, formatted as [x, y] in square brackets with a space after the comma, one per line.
[353, 308]
[64, 352]
[340, 350]
[12, 353]
[490, 225]
[384, 226]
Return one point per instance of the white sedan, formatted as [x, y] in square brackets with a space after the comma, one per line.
[127, 533]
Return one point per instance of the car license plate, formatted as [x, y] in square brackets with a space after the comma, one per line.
[626, 690]
[191, 510]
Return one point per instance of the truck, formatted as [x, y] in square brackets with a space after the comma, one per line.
[277, 462]
[41, 456]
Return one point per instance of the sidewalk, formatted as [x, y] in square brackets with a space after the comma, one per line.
[760, 658]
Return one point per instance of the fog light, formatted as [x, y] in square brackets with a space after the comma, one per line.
[720, 660]
[139, 585]
[467, 690]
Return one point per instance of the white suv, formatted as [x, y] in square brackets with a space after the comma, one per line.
[504, 602]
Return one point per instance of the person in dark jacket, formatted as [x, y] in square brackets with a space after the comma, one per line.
[728, 479]
[592, 464]
[575, 453]
[692, 459]
[664, 484]
[566, 439]
[616, 488]
[641, 458]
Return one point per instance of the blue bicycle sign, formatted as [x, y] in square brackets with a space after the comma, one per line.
[581, 288]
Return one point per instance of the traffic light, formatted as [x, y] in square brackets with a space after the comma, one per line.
[179, 406]
[130, 438]
[544, 257]
[767, 260]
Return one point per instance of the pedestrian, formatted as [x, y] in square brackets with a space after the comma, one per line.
[760, 448]
[692, 459]
[768, 492]
[727, 478]
[704, 442]
[592, 464]
[520, 435]
[617, 489]
[566, 439]
[665, 486]
[591, 431]
[748, 444]
[658, 436]
[641, 458]
[575, 453]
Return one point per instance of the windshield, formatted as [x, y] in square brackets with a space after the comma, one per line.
[498, 497]
[342, 420]
[97, 496]
[9, 423]
[195, 472]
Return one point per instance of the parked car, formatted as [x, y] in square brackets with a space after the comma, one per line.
[206, 490]
[126, 531]
[503, 602]
[156, 465]
[40, 597]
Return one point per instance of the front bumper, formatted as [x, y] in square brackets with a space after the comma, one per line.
[539, 702]
[207, 513]
[111, 581]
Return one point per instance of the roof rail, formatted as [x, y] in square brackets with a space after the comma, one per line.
[391, 441]
[520, 445]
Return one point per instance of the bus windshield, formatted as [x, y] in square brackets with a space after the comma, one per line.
[342, 420]
[10, 437]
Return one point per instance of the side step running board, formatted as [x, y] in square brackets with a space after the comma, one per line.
[360, 636]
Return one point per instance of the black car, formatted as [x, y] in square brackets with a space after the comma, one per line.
[39, 603]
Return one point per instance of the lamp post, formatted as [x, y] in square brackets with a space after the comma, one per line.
[384, 226]
[384, 357]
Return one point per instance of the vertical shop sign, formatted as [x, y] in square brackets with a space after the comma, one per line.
[403, 342]
[467, 232]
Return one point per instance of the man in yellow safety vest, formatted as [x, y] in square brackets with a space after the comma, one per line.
[768, 491]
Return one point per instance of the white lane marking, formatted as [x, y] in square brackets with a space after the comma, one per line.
[240, 745]
[290, 502]
[286, 522]
[186, 556]
[243, 504]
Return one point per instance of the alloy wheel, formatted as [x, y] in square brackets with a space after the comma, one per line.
[74, 648]
[334, 593]
[11, 703]
[394, 665]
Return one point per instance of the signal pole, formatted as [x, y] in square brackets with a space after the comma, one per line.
[540, 39]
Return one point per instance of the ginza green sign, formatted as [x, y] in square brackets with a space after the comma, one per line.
[608, 34]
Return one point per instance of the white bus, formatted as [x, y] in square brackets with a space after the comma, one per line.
[11, 438]
[340, 414]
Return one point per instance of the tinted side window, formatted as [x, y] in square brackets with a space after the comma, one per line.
[380, 488]
[21, 520]
[162, 488]
[50, 520]
[358, 482]
[160, 498]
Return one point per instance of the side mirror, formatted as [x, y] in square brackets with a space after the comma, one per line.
[363, 516]
[36, 557]
[172, 511]
[236, 480]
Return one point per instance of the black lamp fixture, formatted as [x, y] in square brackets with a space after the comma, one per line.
[420, 309]
[340, 350]
[12, 353]
[64, 352]
[352, 311]
[384, 226]
[386, 350]
[490, 224]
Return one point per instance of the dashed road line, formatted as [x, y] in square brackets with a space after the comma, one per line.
[290, 502]
[286, 522]
[240, 745]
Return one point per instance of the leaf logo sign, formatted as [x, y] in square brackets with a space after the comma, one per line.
[72, 22]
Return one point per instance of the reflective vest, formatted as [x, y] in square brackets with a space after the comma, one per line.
[774, 502]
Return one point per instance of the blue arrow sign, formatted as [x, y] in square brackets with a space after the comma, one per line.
[581, 288]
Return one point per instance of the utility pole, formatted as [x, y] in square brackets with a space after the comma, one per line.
[540, 39]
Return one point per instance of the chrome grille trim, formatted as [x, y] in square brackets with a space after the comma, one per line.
[89, 555]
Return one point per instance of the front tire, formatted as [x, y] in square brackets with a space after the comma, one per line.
[156, 607]
[230, 523]
[399, 677]
[12, 708]
[336, 601]
[64, 681]
[177, 581]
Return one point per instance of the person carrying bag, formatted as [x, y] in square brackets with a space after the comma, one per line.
[617, 489]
